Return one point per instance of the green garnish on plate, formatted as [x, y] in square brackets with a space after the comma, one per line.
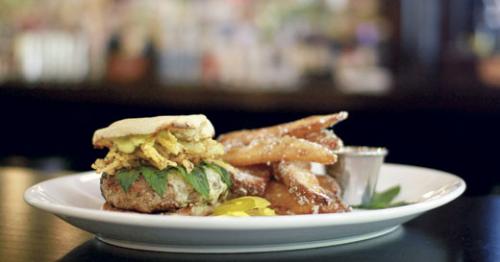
[384, 199]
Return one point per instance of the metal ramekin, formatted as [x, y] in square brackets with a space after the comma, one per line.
[357, 170]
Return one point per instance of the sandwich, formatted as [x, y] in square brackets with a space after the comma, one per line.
[163, 164]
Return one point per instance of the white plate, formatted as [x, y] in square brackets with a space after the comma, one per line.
[77, 200]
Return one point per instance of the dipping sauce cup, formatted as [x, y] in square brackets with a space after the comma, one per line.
[357, 170]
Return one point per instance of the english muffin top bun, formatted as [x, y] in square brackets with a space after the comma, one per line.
[198, 125]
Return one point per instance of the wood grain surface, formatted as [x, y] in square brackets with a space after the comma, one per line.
[26, 233]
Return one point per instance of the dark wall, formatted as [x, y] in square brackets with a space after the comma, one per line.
[459, 142]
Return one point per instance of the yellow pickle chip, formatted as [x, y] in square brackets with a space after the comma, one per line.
[244, 206]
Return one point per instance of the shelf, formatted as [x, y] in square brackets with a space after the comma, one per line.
[308, 99]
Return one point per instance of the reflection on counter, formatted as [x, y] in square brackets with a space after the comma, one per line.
[17, 216]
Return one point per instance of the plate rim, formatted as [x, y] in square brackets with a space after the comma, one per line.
[242, 223]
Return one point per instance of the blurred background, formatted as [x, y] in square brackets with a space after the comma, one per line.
[421, 78]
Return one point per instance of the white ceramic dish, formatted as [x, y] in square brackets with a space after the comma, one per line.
[77, 200]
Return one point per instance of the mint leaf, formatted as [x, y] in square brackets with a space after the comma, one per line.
[198, 180]
[226, 178]
[127, 178]
[384, 199]
[156, 179]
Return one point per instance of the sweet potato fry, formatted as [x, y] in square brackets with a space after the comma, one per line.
[276, 149]
[330, 184]
[251, 180]
[299, 128]
[303, 183]
[325, 137]
[286, 203]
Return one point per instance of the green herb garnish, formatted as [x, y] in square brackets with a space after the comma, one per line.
[157, 179]
[199, 181]
[384, 199]
[226, 178]
[127, 178]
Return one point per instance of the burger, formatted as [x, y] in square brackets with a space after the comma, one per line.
[163, 164]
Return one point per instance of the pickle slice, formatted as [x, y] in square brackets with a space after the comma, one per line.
[244, 206]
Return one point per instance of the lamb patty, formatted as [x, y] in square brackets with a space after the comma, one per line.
[140, 196]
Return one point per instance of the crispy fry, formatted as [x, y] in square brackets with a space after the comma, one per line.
[325, 137]
[262, 171]
[303, 183]
[286, 203]
[275, 149]
[251, 180]
[329, 183]
[299, 128]
[283, 202]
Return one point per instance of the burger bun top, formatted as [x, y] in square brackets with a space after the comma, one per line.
[199, 127]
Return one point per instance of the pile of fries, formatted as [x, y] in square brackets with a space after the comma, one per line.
[275, 163]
